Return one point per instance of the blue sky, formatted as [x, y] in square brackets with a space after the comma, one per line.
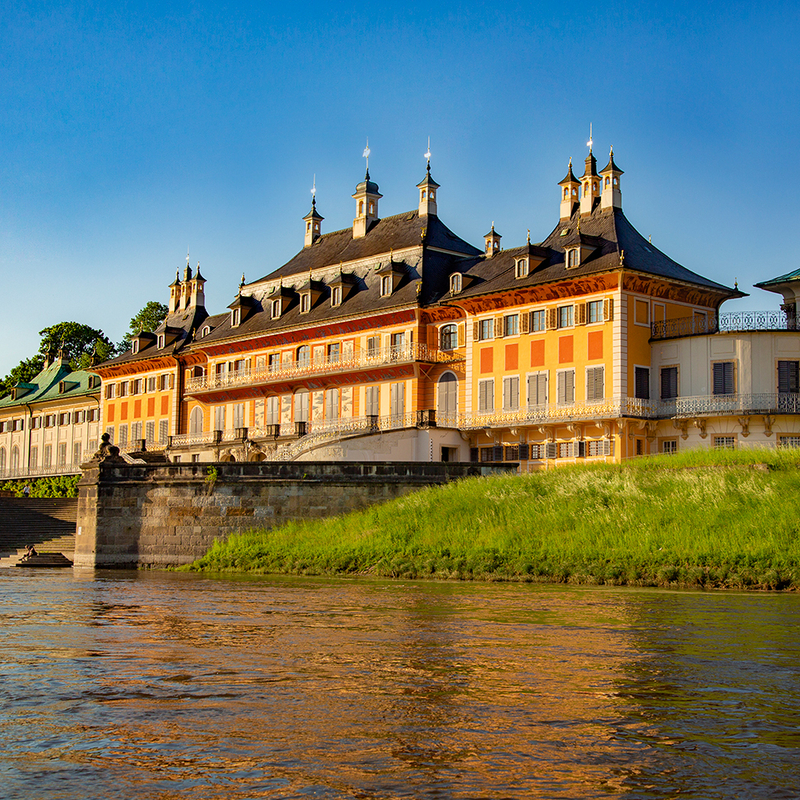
[130, 131]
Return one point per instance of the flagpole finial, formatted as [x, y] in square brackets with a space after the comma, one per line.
[365, 154]
[591, 140]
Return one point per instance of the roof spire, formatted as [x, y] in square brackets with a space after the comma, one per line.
[428, 154]
[591, 141]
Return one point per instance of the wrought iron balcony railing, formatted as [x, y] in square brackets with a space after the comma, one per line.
[361, 359]
[730, 322]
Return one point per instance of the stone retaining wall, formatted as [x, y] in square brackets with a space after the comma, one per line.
[161, 515]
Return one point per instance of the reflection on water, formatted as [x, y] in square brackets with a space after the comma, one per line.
[176, 686]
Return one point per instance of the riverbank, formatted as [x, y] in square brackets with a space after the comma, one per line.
[718, 519]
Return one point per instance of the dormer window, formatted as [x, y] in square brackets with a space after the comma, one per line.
[455, 283]
[522, 267]
[336, 296]
[276, 309]
[305, 303]
[135, 346]
[203, 332]
[386, 286]
[162, 340]
[573, 257]
[236, 317]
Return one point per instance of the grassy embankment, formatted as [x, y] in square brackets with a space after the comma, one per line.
[700, 519]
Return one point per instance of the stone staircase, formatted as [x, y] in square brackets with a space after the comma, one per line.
[48, 524]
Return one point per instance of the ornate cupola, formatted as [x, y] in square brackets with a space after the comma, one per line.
[193, 290]
[427, 188]
[366, 197]
[175, 293]
[570, 188]
[312, 220]
[611, 196]
[492, 242]
[590, 184]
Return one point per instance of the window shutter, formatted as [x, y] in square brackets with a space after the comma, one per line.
[525, 322]
[524, 452]
[498, 328]
[433, 337]
[594, 383]
[476, 331]
[788, 377]
[552, 319]
[497, 452]
[551, 450]
[669, 382]
[462, 334]
[473, 454]
[171, 381]
[608, 309]
[608, 447]
[723, 378]
[580, 314]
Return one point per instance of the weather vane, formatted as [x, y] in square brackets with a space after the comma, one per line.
[365, 154]
[591, 141]
[428, 153]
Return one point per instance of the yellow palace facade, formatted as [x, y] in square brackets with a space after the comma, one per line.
[394, 339]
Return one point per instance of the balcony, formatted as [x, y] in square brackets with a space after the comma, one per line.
[731, 322]
[361, 359]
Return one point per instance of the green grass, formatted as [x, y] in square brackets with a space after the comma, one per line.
[703, 519]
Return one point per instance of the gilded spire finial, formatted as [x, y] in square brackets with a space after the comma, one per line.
[428, 154]
[591, 140]
[529, 235]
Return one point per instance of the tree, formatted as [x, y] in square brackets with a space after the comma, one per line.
[81, 345]
[148, 319]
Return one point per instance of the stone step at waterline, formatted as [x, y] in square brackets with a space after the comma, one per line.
[47, 524]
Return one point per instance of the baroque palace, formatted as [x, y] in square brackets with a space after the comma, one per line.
[394, 339]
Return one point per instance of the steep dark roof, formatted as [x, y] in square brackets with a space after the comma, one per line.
[178, 327]
[609, 232]
[397, 232]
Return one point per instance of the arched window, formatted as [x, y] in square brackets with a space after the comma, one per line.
[448, 337]
[303, 356]
[15, 458]
[2, 458]
[196, 420]
[455, 283]
[447, 397]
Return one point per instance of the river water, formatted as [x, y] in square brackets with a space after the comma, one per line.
[156, 685]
